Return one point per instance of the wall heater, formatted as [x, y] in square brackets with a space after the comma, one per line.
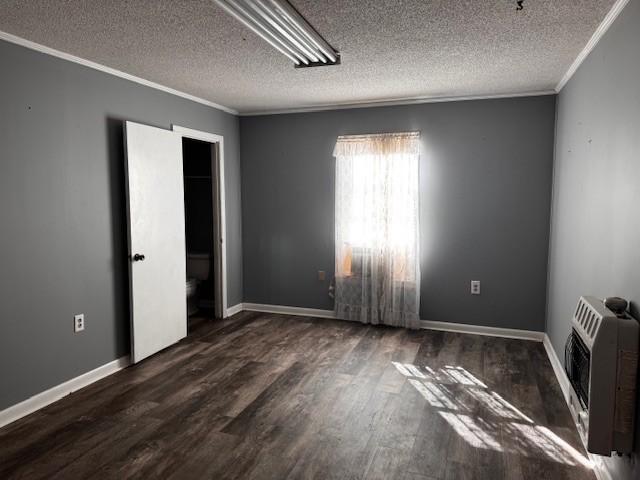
[601, 361]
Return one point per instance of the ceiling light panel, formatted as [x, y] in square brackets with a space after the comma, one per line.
[279, 24]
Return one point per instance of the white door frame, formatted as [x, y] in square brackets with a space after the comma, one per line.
[221, 246]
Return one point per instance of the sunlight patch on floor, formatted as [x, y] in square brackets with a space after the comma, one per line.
[467, 428]
[459, 396]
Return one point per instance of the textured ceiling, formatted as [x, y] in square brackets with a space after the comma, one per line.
[390, 49]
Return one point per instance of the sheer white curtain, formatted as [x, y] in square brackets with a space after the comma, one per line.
[377, 234]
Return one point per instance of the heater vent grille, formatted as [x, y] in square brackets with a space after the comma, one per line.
[587, 318]
[577, 360]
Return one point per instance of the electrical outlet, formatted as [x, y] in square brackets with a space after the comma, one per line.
[321, 275]
[475, 287]
[78, 323]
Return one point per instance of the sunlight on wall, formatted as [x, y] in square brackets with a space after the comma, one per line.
[458, 395]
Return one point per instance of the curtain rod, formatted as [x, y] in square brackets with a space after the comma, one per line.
[369, 135]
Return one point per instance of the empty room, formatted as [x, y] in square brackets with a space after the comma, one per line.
[295, 239]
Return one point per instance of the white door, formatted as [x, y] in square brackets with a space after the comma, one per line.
[155, 195]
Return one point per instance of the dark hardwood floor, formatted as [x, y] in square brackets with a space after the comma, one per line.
[263, 396]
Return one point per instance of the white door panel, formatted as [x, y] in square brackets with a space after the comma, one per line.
[156, 230]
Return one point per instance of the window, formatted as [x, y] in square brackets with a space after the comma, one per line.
[377, 215]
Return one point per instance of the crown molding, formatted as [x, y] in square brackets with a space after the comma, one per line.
[111, 71]
[617, 7]
[593, 41]
[394, 102]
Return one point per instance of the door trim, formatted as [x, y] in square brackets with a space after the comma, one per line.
[219, 208]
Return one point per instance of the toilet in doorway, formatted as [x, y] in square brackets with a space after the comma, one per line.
[198, 266]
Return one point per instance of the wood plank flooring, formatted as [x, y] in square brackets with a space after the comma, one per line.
[262, 396]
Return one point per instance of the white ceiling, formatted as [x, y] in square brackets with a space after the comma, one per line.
[391, 50]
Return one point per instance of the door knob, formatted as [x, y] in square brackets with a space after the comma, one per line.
[138, 257]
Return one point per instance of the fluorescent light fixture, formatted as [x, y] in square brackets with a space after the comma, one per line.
[282, 27]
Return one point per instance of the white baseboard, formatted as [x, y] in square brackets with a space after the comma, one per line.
[286, 310]
[481, 330]
[599, 467]
[47, 397]
[558, 369]
[233, 310]
[426, 324]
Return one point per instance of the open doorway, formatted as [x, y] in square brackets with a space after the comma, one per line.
[199, 197]
[203, 226]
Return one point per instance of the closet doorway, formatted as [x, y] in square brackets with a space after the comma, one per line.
[200, 207]
[205, 233]
[203, 156]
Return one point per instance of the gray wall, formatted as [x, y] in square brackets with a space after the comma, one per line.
[485, 186]
[63, 243]
[595, 231]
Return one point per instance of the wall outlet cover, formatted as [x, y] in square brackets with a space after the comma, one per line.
[475, 287]
[78, 323]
